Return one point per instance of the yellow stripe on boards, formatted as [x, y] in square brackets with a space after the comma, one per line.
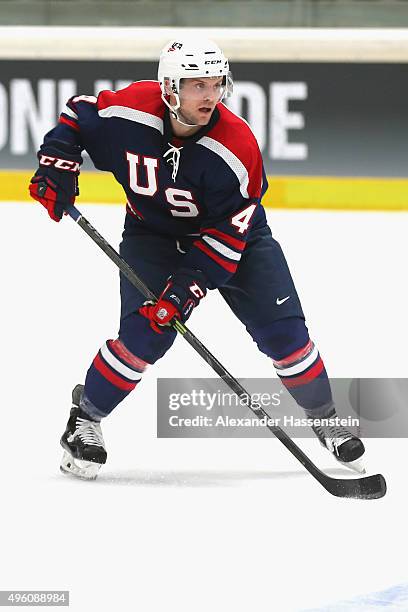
[94, 187]
[325, 193]
[337, 193]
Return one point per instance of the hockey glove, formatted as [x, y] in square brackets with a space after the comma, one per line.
[183, 292]
[55, 184]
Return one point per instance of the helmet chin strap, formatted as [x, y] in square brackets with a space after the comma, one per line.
[174, 109]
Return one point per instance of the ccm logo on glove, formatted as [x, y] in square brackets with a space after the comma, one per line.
[55, 184]
[61, 164]
[197, 291]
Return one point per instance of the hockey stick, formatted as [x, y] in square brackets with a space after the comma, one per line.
[366, 487]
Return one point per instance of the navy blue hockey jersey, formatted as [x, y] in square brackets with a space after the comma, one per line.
[209, 186]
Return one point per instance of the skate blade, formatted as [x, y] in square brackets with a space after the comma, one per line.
[356, 466]
[87, 470]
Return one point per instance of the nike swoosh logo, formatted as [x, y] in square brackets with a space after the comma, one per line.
[279, 302]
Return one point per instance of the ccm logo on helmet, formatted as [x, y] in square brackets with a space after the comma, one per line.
[61, 164]
[212, 62]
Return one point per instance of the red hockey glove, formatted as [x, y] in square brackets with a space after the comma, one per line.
[55, 184]
[183, 292]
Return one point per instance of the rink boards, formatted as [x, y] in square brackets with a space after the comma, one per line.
[286, 192]
[331, 127]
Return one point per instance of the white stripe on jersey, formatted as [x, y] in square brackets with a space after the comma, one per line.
[221, 248]
[68, 111]
[118, 365]
[232, 160]
[301, 366]
[124, 112]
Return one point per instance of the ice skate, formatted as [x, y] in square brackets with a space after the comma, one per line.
[84, 447]
[347, 448]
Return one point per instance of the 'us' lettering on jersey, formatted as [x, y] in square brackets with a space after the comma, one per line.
[209, 186]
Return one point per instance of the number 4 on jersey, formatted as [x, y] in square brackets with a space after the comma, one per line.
[241, 220]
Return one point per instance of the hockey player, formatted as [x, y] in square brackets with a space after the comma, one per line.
[193, 177]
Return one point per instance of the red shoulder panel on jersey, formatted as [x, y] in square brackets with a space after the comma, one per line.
[142, 95]
[236, 135]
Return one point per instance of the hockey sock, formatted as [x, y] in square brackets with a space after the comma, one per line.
[297, 362]
[119, 364]
[305, 377]
[114, 372]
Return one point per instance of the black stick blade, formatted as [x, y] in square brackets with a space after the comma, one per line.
[368, 487]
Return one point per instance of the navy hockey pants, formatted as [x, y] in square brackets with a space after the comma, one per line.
[261, 294]
[262, 279]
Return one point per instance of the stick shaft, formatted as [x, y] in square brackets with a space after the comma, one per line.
[336, 486]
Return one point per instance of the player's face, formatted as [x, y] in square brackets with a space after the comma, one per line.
[198, 98]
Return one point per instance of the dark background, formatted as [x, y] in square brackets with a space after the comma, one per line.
[356, 115]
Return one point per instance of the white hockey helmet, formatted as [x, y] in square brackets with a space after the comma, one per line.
[190, 58]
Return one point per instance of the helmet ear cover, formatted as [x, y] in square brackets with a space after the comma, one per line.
[169, 86]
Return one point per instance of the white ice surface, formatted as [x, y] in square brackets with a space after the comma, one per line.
[183, 525]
